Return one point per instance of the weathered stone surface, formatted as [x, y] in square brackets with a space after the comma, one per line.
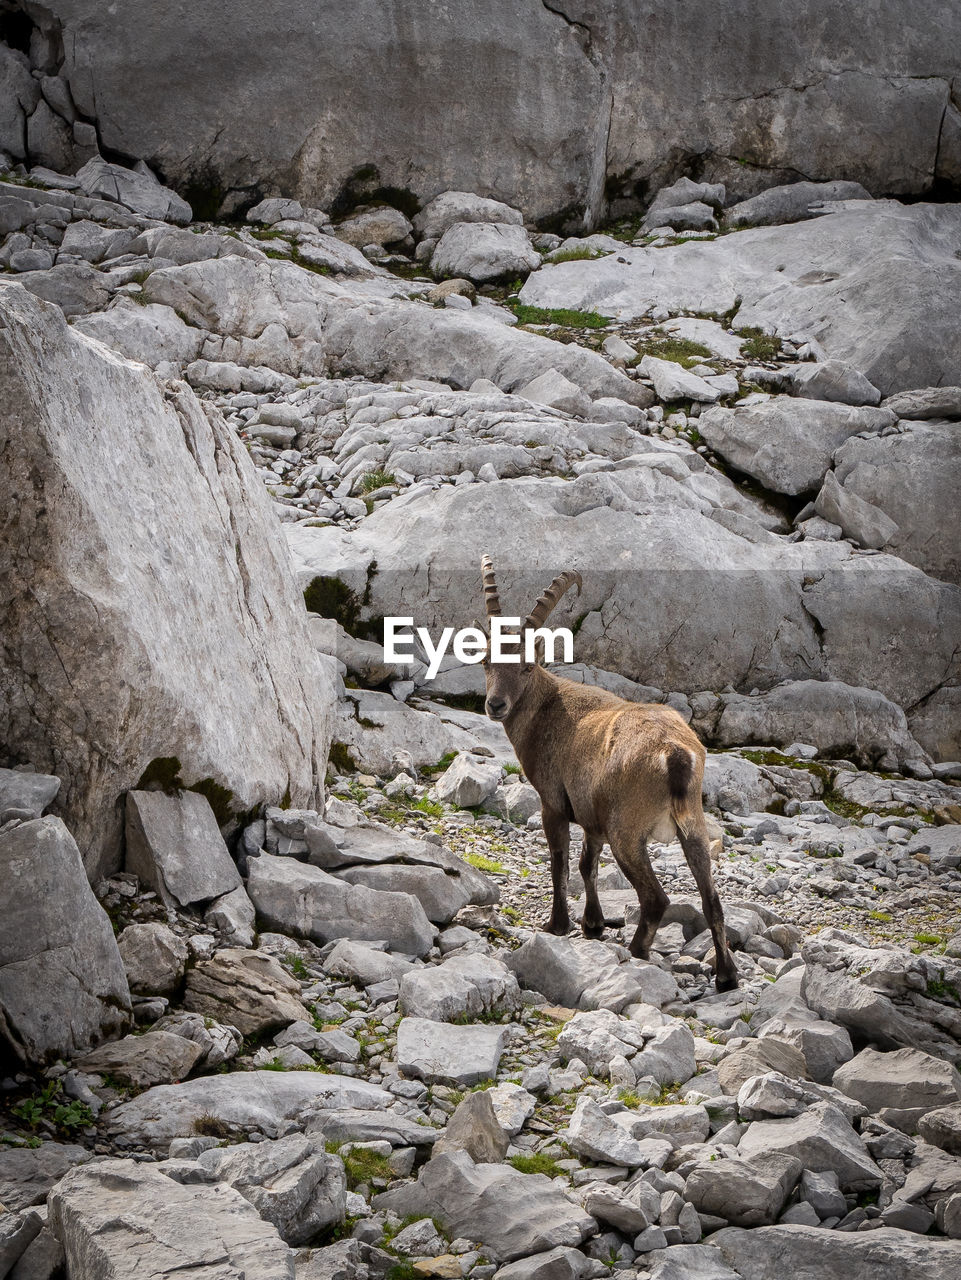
[246, 989]
[442, 890]
[747, 1193]
[121, 1220]
[28, 1173]
[141, 194]
[381, 225]
[469, 985]
[942, 1128]
[822, 1139]
[868, 608]
[218, 1043]
[221, 687]
[766, 1054]
[474, 1128]
[893, 323]
[906, 1081]
[353, 1124]
[174, 845]
[791, 203]
[157, 1057]
[913, 477]
[441, 1053]
[842, 721]
[291, 1182]
[884, 1254]
[246, 1099]
[785, 442]
[17, 1233]
[588, 975]
[926, 402]
[594, 1134]
[515, 1214]
[468, 781]
[23, 793]
[562, 1263]
[600, 100]
[832, 380]
[936, 723]
[354, 960]
[153, 956]
[307, 902]
[62, 981]
[461, 206]
[484, 251]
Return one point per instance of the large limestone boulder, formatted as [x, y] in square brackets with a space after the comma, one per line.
[148, 613]
[751, 613]
[515, 1214]
[62, 982]
[842, 721]
[484, 251]
[891, 316]
[913, 477]
[815, 1254]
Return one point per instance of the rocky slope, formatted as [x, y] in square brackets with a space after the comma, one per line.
[560, 108]
[338, 1046]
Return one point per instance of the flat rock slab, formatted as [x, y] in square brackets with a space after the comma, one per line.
[174, 845]
[811, 1253]
[513, 1213]
[119, 1220]
[294, 897]
[441, 1053]
[245, 1099]
[62, 982]
[579, 974]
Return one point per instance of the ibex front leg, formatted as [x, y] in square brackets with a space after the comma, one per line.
[558, 832]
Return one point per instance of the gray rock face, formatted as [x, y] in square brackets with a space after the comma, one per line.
[840, 720]
[913, 477]
[561, 1263]
[119, 1220]
[792, 203]
[309, 903]
[906, 1081]
[468, 781]
[597, 1136]
[441, 890]
[884, 1254]
[462, 206]
[833, 380]
[154, 958]
[24, 794]
[157, 1057]
[246, 989]
[822, 1139]
[441, 1053]
[174, 845]
[588, 975]
[222, 688]
[245, 1099]
[62, 981]
[601, 100]
[785, 442]
[747, 1193]
[926, 402]
[28, 1173]
[515, 1214]
[894, 324]
[942, 1128]
[484, 251]
[291, 1182]
[141, 194]
[471, 985]
[536, 528]
[474, 1128]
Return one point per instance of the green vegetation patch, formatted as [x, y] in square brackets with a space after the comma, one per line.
[682, 351]
[563, 316]
[759, 345]
[539, 1163]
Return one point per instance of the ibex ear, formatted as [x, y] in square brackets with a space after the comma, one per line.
[483, 630]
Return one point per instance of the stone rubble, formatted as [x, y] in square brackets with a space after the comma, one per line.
[329, 1038]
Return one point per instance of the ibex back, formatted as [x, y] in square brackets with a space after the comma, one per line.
[625, 772]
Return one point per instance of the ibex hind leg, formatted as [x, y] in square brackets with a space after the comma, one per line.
[697, 850]
[630, 853]
[557, 829]
[592, 921]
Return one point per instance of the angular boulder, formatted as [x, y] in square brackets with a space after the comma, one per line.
[484, 251]
[746, 1193]
[306, 901]
[902, 1085]
[470, 985]
[588, 975]
[120, 1220]
[62, 982]
[174, 845]
[815, 1254]
[156, 1057]
[246, 989]
[155, 570]
[822, 1139]
[514, 1214]
[441, 1053]
[154, 958]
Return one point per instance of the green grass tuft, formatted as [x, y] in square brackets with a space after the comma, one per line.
[538, 1163]
[568, 319]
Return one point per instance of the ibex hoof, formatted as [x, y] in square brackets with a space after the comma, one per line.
[592, 930]
[725, 983]
[558, 927]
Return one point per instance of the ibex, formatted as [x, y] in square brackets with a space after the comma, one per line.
[625, 772]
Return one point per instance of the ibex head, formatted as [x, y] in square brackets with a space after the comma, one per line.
[507, 682]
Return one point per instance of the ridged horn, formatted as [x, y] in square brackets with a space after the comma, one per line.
[492, 601]
[549, 601]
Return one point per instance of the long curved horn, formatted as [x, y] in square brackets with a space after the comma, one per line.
[491, 599]
[549, 601]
